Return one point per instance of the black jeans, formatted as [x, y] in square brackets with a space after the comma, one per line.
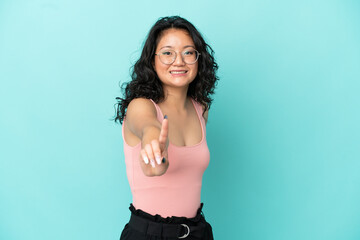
[144, 226]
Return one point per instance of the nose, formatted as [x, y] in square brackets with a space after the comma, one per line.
[179, 61]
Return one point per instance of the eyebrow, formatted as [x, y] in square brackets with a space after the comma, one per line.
[172, 46]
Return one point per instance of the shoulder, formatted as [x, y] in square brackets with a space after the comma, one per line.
[141, 106]
[140, 114]
[141, 103]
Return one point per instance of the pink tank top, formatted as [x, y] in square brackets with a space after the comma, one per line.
[177, 192]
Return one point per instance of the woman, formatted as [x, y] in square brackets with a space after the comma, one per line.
[166, 155]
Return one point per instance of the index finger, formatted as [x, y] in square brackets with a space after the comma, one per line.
[164, 131]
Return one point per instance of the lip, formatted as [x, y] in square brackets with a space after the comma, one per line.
[178, 70]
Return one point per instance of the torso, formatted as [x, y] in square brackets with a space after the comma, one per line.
[178, 191]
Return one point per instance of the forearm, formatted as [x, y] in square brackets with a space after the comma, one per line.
[149, 133]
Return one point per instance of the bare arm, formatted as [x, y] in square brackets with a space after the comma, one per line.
[141, 120]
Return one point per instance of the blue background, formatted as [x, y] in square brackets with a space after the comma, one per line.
[283, 131]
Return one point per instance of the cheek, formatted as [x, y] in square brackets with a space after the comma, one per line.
[196, 69]
[159, 66]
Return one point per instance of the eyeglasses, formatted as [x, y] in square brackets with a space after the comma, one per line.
[189, 56]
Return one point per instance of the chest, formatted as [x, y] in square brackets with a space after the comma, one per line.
[185, 129]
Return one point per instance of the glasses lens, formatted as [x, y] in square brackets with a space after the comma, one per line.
[167, 57]
[190, 56]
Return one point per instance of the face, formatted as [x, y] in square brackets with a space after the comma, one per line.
[179, 73]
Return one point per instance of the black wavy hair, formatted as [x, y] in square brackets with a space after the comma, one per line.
[145, 82]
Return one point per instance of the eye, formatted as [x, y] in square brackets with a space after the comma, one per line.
[189, 52]
[167, 53]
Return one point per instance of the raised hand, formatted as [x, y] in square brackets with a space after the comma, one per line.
[156, 150]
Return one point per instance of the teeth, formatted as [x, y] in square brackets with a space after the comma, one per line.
[178, 71]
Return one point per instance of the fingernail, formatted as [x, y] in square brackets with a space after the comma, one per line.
[163, 160]
[158, 159]
[152, 162]
[165, 117]
[146, 160]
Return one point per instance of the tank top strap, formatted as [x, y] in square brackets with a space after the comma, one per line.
[198, 107]
[159, 113]
[199, 110]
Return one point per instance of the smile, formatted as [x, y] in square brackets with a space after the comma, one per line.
[178, 72]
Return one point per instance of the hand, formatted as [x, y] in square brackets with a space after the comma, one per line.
[156, 150]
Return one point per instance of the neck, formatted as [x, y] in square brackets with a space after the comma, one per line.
[176, 97]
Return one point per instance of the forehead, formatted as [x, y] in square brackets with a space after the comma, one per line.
[175, 38]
